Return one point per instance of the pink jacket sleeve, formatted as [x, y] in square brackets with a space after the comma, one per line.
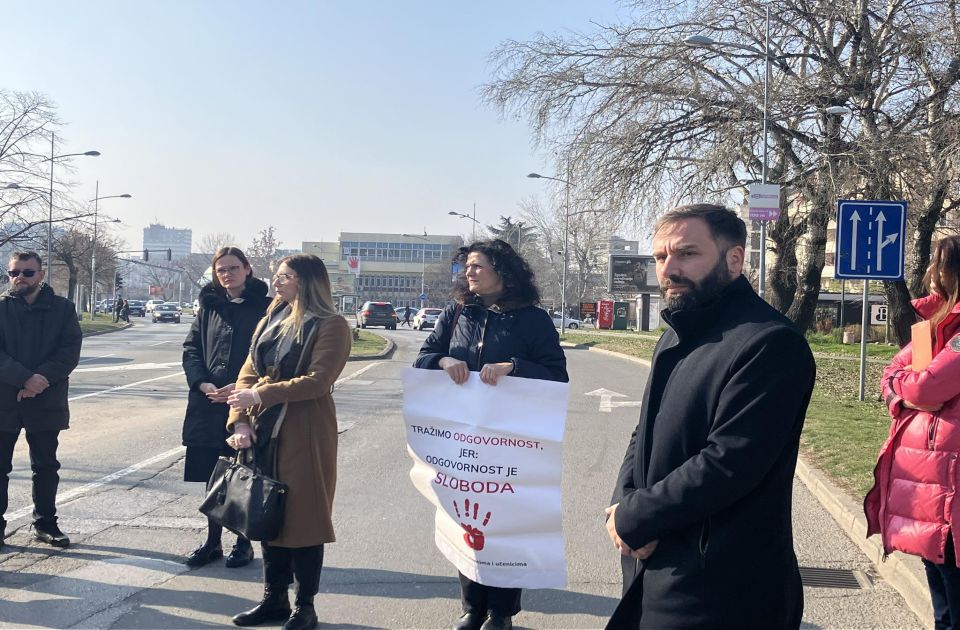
[931, 387]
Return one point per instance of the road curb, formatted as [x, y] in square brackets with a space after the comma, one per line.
[612, 353]
[905, 573]
[106, 332]
[386, 353]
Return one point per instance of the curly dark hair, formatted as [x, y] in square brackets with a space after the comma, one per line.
[518, 284]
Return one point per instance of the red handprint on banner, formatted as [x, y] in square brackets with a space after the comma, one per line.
[473, 535]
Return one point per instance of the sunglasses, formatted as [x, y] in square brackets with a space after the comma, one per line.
[27, 273]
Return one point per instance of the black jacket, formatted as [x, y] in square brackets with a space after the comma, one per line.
[213, 352]
[709, 471]
[42, 338]
[524, 335]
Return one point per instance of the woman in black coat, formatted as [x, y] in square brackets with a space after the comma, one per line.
[213, 353]
[495, 328]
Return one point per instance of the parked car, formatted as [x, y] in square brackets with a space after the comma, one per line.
[377, 314]
[151, 304]
[166, 313]
[426, 318]
[104, 306]
[570, 321]
[138, 308]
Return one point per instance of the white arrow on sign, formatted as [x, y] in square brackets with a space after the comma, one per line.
[882, 242]
[855, 220]
[607, 402]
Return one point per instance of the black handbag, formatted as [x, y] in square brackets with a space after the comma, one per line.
[244, 500]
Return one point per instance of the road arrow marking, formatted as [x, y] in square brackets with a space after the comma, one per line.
[855, 220]
[606, 399]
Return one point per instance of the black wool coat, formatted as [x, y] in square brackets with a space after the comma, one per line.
[523, 335]
[214, 351]
[39, 338]
[709, 471]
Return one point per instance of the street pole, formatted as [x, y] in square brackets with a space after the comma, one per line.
[474, 238]
[563, 277]
[864, 324]
[50, 219]
[763, 175]
[93, 252]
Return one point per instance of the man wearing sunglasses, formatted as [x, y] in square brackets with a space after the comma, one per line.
[39, 347]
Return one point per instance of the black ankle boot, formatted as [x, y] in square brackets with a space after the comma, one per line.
[275, 606]
[304, 617]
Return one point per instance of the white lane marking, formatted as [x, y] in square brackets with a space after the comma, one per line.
[606, 399]
[130, 366]
[76, 492]
[63, 497]
[104, 356]
[160, 343]
[118, 388]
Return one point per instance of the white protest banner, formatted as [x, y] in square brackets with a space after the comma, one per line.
[489, 457]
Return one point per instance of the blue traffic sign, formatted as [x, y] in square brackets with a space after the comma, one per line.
[423, 296]
[870, 239]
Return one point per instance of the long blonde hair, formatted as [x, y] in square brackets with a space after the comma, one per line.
[313, 293]
[943, 277]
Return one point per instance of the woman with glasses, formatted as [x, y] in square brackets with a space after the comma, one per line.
[283, 407]
[213, 352]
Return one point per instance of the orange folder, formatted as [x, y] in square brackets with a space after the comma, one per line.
[922, 341]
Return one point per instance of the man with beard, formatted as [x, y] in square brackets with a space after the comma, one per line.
[39, 348]
[701, 512]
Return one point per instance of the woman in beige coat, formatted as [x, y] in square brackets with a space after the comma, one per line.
[283, 408]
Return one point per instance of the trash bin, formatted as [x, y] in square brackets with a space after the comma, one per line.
[621, 315]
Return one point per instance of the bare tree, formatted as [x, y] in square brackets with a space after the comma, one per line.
[262, 252]
[643, 122]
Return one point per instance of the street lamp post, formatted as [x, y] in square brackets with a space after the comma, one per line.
[566, 228]
[53, 158]
[93, 249]
[473, 218]
[423, 264]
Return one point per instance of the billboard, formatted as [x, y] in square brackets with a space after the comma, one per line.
[632, 274]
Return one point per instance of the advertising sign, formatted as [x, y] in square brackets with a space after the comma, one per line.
[605, 314]
[353, 264]
[632, 274]
[764, 202]
[588, 310]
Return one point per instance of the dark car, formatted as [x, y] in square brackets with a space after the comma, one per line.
[138, 308]
[377, 314]
[166, 313]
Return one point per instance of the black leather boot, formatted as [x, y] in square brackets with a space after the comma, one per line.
[274, 607]
[304, 616]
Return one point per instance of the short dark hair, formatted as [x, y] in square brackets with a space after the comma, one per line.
[31, 255]
[514, 272]
[723, 223]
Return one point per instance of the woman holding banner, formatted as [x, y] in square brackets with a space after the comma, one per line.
[910, 504]
[494, 327]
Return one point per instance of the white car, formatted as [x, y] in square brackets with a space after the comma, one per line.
[570, 322]
[152, 303]
[426, 318]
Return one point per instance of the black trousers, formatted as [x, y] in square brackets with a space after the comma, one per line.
[43, 461]
[282, 564]
[944, 581]
[479, 598]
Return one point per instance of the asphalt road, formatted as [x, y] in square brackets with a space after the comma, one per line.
[132, 520]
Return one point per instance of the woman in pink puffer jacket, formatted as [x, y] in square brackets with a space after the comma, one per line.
[912, 502]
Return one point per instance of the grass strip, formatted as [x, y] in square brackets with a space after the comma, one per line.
[368, 344]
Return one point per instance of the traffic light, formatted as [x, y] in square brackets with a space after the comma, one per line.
[146, 255]
[117, 281]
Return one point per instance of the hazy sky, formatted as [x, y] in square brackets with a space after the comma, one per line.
[317, 117]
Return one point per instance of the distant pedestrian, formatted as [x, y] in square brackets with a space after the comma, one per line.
[283, 406]
[701, 511]
[912, 505]
[215, 348]
[117, 309]
[495, 327]
[406, 316]
[40, 343]
[125, 311]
